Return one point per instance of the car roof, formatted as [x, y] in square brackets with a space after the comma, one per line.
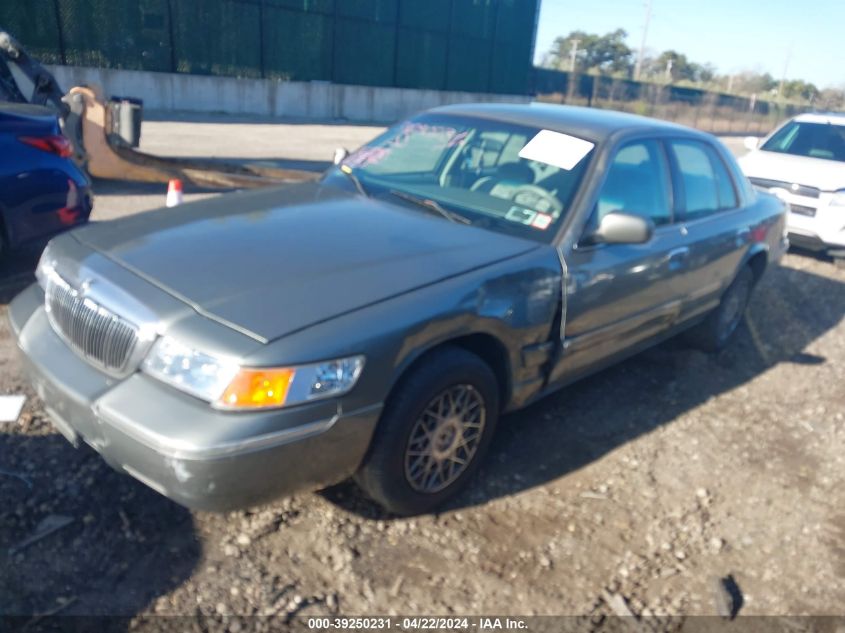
[588, 123]
[831, 118]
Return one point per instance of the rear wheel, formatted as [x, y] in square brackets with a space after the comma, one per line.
[434, 431]
[716, 330]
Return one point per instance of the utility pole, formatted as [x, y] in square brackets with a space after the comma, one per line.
[639, 67]
[669, 64]
[573, 54]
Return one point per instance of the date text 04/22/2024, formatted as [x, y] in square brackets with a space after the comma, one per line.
[417, 623]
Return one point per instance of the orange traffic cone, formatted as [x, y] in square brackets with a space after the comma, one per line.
[174, 192]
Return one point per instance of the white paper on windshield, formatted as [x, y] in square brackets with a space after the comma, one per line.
[554, 148]
[10, 407]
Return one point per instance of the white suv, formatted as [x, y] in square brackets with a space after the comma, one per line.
[803, 162]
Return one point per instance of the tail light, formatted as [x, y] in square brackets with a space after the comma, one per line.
[54, 144]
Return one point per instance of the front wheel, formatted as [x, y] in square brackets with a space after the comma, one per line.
[433, 433]
[716, 330]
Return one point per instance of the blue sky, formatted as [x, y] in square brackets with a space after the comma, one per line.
[734, 35]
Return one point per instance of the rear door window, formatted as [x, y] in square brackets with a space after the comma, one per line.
[705, 184]
[724, 182]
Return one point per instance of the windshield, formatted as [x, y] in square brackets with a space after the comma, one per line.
[815, 140]
[504, 177]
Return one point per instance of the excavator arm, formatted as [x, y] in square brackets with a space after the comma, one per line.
[87, 122]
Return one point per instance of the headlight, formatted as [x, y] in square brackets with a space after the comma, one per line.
[229, 386]
[196, 373]
[838, 199]
[45, 267]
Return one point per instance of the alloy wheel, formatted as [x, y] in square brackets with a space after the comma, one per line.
[444, 438]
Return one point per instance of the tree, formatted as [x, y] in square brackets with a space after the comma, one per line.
[675, 66]
[751, 82]
[602, 54]
[609, 55]
[798, 89]
[681, 69]
[831, 99]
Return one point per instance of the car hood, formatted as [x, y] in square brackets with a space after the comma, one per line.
[827, 175]
[271, 262]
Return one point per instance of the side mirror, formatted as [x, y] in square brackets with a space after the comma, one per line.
[621, 228]
[340, 155]
[751, 142]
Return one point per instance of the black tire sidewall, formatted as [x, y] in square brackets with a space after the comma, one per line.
[383, 473]
[744, 282]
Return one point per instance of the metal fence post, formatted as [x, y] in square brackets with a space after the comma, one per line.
[333, 55]
[731, 118]
[448, 54]
[261, 38]
[170, 30]
[493, 45]
[395, 81]
[60, 33]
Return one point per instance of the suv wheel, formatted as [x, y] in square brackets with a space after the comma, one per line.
[433, 433]
[716, 330]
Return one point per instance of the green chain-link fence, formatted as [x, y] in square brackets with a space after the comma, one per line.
[472, 45]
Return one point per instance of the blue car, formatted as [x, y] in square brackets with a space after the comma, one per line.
[42, 191]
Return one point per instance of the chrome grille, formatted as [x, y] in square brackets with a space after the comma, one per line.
[95, 333]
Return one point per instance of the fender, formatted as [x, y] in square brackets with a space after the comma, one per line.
[755, 249]
[511, 321]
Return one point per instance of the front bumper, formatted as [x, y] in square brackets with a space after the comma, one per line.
[824, 229]
[178, 445]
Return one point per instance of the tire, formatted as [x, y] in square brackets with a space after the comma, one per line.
[714, 333]
[413, 464]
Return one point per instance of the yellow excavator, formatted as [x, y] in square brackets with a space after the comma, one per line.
[104, 133]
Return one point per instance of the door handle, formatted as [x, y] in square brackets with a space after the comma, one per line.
[677, 257]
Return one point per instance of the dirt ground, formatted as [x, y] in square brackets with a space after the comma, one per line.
[635, 489]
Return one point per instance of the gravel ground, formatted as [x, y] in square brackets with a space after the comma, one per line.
[633, 490]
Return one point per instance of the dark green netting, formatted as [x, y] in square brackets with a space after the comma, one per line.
[364, 52]
[312, 6]
[35, 24]
[217, 38]
[429, 15]
[469, 64]
[297, 46]
[383, 11]
[474, 18]
[421, 59]
[470, 45]
[128, 34]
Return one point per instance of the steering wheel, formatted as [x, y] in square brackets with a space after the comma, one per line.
[537, 199]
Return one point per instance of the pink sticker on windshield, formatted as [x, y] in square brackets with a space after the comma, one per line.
[542, 221]
[373, 155]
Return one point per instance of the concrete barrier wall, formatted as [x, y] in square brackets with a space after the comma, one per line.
[309, 100]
